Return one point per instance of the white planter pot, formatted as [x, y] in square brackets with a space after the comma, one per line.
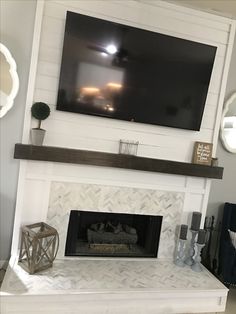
[37, 136]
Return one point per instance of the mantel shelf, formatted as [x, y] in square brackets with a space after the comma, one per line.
[84, 157]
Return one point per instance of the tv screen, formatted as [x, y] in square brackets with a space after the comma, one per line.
[122, 72]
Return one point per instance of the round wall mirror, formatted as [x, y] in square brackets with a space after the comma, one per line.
[228, 125]
[9, 81]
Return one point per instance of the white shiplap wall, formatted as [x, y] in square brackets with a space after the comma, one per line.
[101, 134]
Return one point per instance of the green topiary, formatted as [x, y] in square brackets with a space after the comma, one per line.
[40, 111]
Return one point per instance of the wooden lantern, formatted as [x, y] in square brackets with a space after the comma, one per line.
[39, 246]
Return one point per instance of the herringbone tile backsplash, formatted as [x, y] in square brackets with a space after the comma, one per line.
[65, 197]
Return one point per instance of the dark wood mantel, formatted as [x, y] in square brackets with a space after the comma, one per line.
[84, 157]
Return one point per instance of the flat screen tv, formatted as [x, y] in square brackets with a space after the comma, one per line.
[122, 72]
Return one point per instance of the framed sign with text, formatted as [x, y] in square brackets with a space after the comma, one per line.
[202, 153]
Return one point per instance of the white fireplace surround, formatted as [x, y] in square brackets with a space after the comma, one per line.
[48, 191]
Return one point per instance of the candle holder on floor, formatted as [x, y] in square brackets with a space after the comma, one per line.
[197, 261]
[39, 246]
[179, 260]
[189, 260]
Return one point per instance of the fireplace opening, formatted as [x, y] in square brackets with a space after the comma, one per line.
[112, 234]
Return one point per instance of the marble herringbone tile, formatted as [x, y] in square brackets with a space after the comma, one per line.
[110, 275]
[66, 196]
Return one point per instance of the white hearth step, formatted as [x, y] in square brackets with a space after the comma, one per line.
[111, 286]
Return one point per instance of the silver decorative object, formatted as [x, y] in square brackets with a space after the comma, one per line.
[189, 260]
[180, 256]
[128, 147]
[197, 260]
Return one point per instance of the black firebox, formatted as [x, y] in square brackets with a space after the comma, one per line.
[112, 234]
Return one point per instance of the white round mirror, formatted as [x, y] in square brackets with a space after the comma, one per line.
[9, 81]
[228, 125]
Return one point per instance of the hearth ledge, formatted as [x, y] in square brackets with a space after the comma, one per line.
[111, 286]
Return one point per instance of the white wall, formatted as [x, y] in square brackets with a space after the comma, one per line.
[226, 7]
[16, 31]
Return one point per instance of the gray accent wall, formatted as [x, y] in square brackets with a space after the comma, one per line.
[16, 33]
[225, 190]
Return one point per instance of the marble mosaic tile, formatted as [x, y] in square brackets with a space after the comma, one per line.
[109, 275]
[65, 197]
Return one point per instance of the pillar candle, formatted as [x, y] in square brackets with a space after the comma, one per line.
[201, 237]
[196, 221]
[183, 232]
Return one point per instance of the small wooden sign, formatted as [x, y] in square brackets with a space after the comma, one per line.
[202, 153]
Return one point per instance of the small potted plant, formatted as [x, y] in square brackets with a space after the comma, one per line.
[39, 111]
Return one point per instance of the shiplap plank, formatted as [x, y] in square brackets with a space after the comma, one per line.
[158, 146]
[47, 83]
[134, 12]
[181, 29]
[110, 133]
[53, 34]
[216, 76]
[150, 21]
[87, 121]
[191, 14]
[109, 124]
[45, 96]
[208, 121]
[166, 153]
[210, 110]
[212, 99]
[48, 69]
[56, 8]
[50, 54]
